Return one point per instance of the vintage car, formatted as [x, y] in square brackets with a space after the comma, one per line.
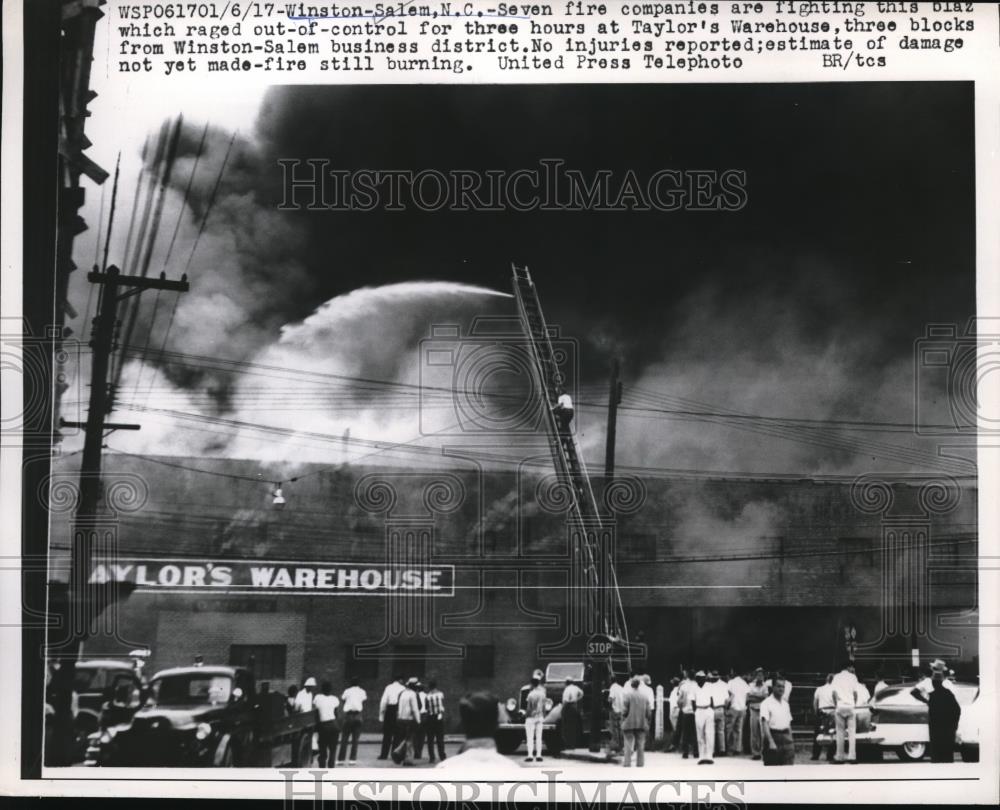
[510, 734]
[896, 721]
[967, 734]
[207, 716]
[95, 682]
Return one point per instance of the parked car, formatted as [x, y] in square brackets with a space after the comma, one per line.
[95, 682]
[898, 722]
[967, 735]
[211, 716]
[510, 734]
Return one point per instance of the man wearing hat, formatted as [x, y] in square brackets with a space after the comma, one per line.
[937, 668]
[757, 693]
[407, 718]
[720, 699]
[704, 718]
[304, 697]
[534, 717]
[943, 713]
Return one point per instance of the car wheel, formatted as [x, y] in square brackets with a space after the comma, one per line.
[969, 753]
[303, 756]
[912, 751]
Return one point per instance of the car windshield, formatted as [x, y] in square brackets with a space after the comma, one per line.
[89, 679]
[560, 672]
[190, 689]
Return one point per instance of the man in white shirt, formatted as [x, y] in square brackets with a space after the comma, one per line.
[757, 693]
[569, 720]
[737, 712]
[689, 731]
[354, 698]
[304, 698]
[823, 706]
[326, 704]
[776, 727]
[845, 698]
[674, 701]
[534, 717]
[480, 716]
[387, 714]
[720, 701]
[407, 718]
[704, 718]
[616, 704]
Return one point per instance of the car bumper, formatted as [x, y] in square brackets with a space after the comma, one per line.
[520, 727]
[865, 738]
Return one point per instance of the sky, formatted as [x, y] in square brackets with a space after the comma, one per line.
[857, 233]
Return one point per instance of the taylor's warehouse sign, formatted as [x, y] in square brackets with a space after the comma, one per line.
[275, 577]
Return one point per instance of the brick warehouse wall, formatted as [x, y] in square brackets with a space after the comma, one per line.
[724, 571]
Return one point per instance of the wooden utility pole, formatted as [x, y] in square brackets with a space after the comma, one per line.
[82, 606]
[614, 399]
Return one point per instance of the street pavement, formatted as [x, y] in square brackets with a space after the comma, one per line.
[657, 762]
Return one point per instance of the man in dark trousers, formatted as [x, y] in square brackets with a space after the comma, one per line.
[636, 714]
[435, 721]
[942, 721]
[570, 721]
[387, 714]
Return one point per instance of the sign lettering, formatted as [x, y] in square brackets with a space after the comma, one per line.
[275, 577]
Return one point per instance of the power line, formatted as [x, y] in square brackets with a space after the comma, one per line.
[162, 463]
[187, 194]
[211, 201]
[111, 217]
[147, 255]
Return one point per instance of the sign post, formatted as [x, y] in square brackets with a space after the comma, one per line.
[598, 651]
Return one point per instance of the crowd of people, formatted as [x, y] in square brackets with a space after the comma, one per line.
[411, 713]
[702, 715]
[705, 715]
[340, 718]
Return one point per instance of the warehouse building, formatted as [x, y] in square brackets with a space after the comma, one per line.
[471, 575]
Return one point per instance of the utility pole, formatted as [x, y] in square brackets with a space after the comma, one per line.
[601, 673]
[614, 399]
[82, 606]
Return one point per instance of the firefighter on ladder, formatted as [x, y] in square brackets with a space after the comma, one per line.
[563, 410]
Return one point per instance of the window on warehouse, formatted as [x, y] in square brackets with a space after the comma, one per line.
[266, 661]
[364, 669]
[478, 661]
